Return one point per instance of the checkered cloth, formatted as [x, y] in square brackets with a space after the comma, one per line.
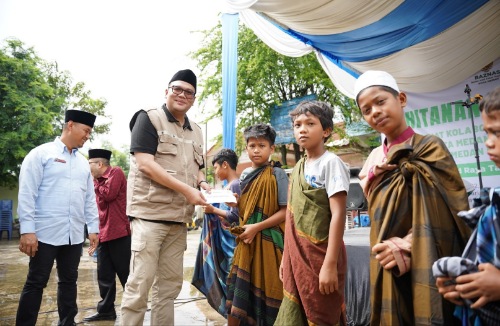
[487, 219]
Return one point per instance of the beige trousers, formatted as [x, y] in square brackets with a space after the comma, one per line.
[157, 261]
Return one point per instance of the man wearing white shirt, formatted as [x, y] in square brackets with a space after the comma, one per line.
[56, 200]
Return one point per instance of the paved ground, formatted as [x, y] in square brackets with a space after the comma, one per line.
[191, 307]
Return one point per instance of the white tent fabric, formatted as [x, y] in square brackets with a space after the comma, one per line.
[274, 38]
[432, 47]
[426, 52]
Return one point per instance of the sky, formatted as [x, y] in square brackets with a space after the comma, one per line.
[124, 51]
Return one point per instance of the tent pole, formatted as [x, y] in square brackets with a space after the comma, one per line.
[229, 78]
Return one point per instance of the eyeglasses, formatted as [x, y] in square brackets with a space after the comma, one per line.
[177, 90]
[93, 162]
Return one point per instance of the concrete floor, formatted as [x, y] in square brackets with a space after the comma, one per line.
[191, 306]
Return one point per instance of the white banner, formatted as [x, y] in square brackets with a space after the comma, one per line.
[439, 114]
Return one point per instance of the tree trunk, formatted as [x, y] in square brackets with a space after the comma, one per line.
[283, 154]
[296, 151]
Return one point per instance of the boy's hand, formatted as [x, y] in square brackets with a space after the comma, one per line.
[483, 285]
[381, 168]
[237, 199]
[384, 256]
[208, 209]
[328, 279]
[249, 234]
[446, 287]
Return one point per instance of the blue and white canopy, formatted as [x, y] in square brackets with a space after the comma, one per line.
[432, 47]
[427, 45]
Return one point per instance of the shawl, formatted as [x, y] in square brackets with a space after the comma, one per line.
[254, 288]
[424, 195]
[307, 230]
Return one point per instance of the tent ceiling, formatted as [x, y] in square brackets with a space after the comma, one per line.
[427, 45]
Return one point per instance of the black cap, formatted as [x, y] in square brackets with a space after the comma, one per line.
[100, 153]
[81, 117]
[185, 75]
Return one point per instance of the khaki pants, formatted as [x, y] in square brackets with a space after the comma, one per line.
[157, 261]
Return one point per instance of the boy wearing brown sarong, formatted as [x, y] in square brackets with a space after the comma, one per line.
[414, 192]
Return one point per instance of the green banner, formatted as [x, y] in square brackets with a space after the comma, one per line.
[468, 170]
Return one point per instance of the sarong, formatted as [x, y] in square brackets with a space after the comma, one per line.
[307, 232]
[424, 194]
[213, 261]
[254, 288]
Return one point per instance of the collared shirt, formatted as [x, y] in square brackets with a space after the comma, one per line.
[111, 194]
[56, 196]
[405, 136]
[171, 118]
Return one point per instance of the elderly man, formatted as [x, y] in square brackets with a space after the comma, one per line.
[113, 257]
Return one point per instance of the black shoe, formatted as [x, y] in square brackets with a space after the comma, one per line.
[101, 316]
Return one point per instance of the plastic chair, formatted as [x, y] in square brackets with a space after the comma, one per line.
[6, 221]
[6, 205]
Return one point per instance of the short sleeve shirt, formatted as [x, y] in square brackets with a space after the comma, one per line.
[144, 137]
[327, 172]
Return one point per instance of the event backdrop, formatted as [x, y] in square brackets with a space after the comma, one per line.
[436, 113]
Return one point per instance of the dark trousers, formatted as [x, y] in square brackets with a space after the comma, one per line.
[67, 259]
[113, 258]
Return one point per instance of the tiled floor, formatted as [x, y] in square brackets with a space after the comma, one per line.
[191, 307]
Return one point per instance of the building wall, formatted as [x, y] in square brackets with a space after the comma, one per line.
[6, 193]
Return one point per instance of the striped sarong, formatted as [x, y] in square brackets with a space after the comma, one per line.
[254, 288]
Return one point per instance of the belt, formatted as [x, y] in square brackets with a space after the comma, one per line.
[156, 221]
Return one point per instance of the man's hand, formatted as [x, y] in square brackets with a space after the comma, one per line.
[205, 186]
[94, 242]
[28, 244]
[195, 197]
[91, 250]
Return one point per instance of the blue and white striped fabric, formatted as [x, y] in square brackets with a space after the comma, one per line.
[427, 45]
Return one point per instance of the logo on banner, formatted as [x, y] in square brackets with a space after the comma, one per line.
[442, 114]
[486, 75]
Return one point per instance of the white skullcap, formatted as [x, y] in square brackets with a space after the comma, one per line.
[374, 78]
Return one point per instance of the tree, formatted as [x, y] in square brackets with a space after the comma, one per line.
[119, 158]
[34, 96]
[265, 78]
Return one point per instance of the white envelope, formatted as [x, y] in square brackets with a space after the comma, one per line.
[219, 196]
